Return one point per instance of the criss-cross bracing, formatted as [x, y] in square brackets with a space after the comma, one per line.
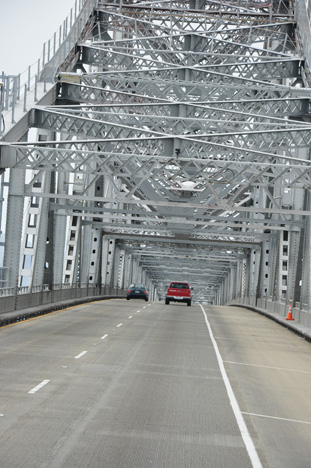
[172, 143]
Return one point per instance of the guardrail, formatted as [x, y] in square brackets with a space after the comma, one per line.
[301, 313]
[43, 296]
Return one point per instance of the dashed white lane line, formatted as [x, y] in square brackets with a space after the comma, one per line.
[268, 367]
[131, 316]
[104, 337]
[42, 384]
[248, 441]
[275, 417]
[120, 325]
[80, 355]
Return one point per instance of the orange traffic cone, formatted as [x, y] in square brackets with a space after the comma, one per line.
[289, 315]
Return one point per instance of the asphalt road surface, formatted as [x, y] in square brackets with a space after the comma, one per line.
[131, 384]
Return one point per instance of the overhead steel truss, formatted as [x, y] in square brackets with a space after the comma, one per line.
[177, 147]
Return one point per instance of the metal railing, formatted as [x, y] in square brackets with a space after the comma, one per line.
[11, 301]
[16, 89]
[301, 312]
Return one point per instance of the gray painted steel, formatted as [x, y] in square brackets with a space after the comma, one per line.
[172, 143]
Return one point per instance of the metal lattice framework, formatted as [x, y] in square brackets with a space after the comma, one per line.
[176, 144]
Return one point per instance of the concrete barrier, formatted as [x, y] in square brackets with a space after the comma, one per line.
[280, 318]
[19, 315]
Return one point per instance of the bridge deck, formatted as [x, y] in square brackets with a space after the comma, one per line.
[139, 384]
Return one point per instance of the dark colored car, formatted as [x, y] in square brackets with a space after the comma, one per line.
[137, 291]
[178, 291]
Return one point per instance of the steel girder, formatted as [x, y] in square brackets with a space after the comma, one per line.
[211, 181]
[112, 124]
[192, 16]
[176, 84]
[213, 116]
[260, 65]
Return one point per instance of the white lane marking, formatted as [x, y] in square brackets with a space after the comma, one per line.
[80, 355]
[280, 345]
[35, 389]
[238, 339]
[275, 417]
[120, 325]
[248, 441]
[131, 316]
[268, 367]
[138, 312]
[104, 337]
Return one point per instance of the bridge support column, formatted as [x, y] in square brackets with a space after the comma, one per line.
[295, 258]
[238, 281]
[255, 261]
[225, 289]
[37, 262]
[108, 246]
[244, 278]
[59, 232]
[150, 288]
[127, 269]
[14, 227]
[40, 261]
[264, 272]
[232, 283]
[136, 278]
[92, 259]
[117, 267]
[143, 277]
[305, 283]
[85, 244]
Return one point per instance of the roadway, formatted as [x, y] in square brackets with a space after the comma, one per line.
[132, 384]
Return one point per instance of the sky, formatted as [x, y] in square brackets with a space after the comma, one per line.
[24, 26]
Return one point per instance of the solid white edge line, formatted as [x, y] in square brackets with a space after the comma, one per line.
[80, 355]
[35, 389]
[103, 337]
[248, 441]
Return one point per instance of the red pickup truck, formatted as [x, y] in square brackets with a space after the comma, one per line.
[178, 291]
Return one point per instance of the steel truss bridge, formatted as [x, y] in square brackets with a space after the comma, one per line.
[163, 140]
